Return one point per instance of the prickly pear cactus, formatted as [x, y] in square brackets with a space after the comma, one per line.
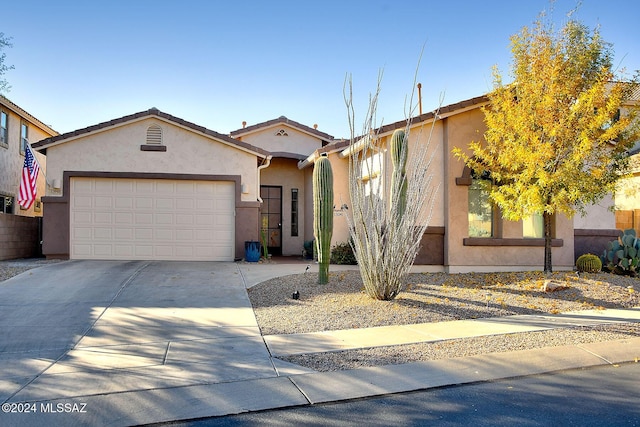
[323, 214]
[622, 256]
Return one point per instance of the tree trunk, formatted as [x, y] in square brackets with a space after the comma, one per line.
[548, 265]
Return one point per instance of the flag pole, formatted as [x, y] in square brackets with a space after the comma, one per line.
[28, 145]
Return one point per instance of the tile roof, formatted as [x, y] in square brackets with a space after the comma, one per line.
[43, 144]
[635, 94]
[447, 110]
[442, 111]
[283, 120]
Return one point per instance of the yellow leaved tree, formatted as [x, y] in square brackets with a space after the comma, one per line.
[556, 140]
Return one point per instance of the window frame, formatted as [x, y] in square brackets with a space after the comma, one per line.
[24, 136]
[4, 204]
[4, 142]
[491, 215]
[295, 205]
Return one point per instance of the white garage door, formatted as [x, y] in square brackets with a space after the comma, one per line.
[152, 219]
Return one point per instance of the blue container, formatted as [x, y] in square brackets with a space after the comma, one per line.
[252, 251]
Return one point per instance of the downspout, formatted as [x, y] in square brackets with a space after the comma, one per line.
[267, 162]
[445, 188]
[263, 166]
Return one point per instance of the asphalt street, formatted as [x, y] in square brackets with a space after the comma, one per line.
[600, 396]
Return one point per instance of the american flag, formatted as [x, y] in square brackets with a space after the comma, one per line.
[28, 185]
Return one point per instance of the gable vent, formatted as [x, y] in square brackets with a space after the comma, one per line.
[282, 132]
[154, 135]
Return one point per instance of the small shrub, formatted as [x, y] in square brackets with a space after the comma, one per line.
[588, 263]
[342, 253]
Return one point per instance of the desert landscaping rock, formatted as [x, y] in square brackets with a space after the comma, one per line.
[429, 297]
[437, 297]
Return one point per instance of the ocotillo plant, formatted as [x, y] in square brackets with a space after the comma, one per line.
[323, 214]
[399, 178]
[386, 230]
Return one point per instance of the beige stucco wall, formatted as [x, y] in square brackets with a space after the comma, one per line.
[296, 142]
[627, 194]
[628, 189]
[418, 140]
[340, 169]
[118, 150]
[428, 143]
[598, 216]
[12, 161]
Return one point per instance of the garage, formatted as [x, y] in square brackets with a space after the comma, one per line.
[151, 219]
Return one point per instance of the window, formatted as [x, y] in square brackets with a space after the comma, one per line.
[294, 212]
[480, 209]
[4, 128]
[154, 135]
[24, 137]
[6, 204]
[533, 227]
[371, 175]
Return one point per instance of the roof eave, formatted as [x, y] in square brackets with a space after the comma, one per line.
[44, 144]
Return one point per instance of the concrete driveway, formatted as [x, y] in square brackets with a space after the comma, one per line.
[79, 329]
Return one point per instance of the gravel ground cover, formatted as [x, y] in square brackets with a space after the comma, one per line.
[13, 267]
[436, 297]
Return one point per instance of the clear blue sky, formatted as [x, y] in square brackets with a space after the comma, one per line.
[219, 62]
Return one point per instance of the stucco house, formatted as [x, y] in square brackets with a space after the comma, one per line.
[18, 227]
[466, 233]
[153, 186]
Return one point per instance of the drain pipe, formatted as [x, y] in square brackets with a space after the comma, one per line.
[263, 166]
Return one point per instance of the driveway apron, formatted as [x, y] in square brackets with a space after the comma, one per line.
[83, 328]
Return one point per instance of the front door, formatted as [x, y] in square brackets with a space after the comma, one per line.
[271, 218]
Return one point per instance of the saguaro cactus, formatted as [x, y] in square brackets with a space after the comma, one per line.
[399, 178]
[323, 214]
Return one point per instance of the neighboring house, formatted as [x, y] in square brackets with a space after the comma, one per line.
[627, 197]
[18, 230]
[153, 186]
[17, 128]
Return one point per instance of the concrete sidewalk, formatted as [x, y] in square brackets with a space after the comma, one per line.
[348, 339]
[118, 344]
